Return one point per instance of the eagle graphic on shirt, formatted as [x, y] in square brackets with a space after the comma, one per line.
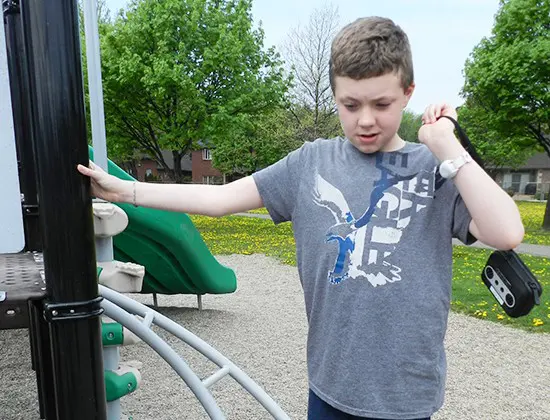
[365, 243]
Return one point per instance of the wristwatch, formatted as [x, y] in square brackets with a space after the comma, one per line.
[449, 168]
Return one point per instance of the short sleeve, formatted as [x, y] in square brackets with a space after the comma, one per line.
[461, 220]
[278, 184]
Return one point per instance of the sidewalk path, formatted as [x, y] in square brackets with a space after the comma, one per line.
[536, 250]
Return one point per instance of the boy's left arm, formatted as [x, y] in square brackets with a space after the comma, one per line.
[496, 220]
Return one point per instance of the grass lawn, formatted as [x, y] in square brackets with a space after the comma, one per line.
[532, 215]
[263, 210]
[244, 235]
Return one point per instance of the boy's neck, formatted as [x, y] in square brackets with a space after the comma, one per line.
[397, 143]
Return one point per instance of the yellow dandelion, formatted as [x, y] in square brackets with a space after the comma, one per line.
[537, 322]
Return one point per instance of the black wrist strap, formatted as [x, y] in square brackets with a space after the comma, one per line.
[465, 141]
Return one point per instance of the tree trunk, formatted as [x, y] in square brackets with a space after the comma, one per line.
[178, 175]
[546, 220]
[132, 168]
[545, 141]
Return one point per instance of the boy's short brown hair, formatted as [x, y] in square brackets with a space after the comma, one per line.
[370, 47]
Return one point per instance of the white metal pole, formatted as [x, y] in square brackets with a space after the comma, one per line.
[104, 246]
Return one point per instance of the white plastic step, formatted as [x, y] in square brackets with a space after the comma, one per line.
[109, 219]
[122, 277]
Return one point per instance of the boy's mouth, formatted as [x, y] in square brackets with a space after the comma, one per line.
[368, 138]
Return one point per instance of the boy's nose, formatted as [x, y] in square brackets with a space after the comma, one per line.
[366, 119]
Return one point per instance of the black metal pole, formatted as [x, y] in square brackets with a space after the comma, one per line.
[52, 42]
[20, 97]
[39, 331]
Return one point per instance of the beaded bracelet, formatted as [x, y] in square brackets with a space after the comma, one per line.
[135, 205]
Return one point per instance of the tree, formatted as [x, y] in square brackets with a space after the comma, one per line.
[495, 149]
[307, 53]
[410, 124]
[508, 77]
[263, 142]
[180, 72]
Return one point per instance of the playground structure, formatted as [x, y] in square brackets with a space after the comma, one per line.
[48, 268]
[173, 251]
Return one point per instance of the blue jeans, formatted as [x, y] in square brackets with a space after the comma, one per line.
[317, 409]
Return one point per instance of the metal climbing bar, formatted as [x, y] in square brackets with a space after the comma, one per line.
[167, 353]
[216, 377]
[120, 308]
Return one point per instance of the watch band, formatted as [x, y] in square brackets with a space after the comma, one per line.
[462, 160]
[449, 168]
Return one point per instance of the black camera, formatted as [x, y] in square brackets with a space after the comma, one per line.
[511, 282]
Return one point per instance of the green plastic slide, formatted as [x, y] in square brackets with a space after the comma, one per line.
[168, 245]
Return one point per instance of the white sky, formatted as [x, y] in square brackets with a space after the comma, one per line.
[442, 34]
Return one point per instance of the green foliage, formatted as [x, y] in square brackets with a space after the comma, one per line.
[410, 124]
[507, 75]
[508, 79]
[495, 149]
[312, 123]
[177, 73]
[268, 138]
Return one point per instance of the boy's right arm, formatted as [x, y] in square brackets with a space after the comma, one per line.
[208, 200]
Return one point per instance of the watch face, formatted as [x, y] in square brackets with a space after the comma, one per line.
[447, 169]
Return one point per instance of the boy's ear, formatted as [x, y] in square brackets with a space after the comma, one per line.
[408, 93]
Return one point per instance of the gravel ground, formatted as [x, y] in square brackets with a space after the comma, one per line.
[495, 372]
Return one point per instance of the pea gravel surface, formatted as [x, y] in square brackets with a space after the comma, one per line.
[494, 371]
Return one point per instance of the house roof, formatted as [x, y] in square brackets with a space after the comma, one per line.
[185, 160]
[537, 161]
[167, 156]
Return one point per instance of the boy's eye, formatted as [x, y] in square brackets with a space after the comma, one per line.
[351, 107]
[382, 105]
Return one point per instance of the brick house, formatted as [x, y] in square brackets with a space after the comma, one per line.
[148, 169]
[196, 166]
[202, 170]
[530, 180]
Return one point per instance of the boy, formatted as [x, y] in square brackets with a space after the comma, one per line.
[373, 220]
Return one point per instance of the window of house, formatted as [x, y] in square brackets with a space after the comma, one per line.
[516, 181]
[206, 154]
[148, 172]
[212, 180]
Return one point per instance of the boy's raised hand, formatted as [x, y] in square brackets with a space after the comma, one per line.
[104, 186]
[438, 133]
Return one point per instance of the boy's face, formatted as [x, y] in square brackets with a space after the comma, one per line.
[370, 111]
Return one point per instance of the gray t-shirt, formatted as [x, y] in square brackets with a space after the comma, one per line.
[373, 243]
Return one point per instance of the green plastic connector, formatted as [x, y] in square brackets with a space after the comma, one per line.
[118, 386]
[112, 334]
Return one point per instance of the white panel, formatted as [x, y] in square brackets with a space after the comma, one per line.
[12, 237]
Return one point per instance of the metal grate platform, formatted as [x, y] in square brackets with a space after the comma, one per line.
[20, 282]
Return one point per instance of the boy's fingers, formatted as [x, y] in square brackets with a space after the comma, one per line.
[83, 170]
[432, 113]
[426, 115]
[448, 110]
